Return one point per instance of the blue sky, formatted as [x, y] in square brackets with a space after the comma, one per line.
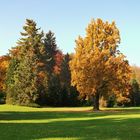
[69, 18]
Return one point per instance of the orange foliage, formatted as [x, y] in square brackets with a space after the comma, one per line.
[4, 63]
[97, 67]
[41, 75]
[58, 61]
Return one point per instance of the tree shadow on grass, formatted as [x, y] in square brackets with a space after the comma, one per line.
[90, 129]
[39, 115]
[8, 115]
[123, 109]
[13, 115]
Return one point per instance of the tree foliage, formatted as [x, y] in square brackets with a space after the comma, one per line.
[53, 97]
[4, 63]
[36, 71]
[51, 49]
[98, 68]
[135, 93]
[69, 93]
[27, 76]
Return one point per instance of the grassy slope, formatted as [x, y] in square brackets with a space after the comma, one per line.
[24, 123]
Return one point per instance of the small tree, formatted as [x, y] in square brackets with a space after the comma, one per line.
[97, 67]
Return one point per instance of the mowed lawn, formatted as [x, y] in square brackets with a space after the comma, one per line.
[25, 123]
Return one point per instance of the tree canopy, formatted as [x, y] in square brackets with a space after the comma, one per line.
[98, 68]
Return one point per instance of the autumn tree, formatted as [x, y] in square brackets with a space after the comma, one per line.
[4, 63]
[27, 76]
[98, 68]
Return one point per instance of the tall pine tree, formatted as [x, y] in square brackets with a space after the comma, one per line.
[53, 67]
[29, 78]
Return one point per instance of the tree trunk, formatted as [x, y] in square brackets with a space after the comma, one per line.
[96, 102]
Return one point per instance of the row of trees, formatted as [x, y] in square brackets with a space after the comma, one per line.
[36, 72]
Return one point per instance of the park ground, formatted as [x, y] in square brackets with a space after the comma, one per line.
[78, 123]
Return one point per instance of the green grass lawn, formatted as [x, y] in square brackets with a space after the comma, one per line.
[25, 123]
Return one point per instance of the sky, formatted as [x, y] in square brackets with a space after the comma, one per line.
[69, 18]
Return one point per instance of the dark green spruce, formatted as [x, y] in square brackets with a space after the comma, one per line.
[29, 79]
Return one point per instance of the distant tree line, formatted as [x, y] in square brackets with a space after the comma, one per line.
[36, 72]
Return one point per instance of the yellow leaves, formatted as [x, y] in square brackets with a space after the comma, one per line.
[122, 99]
[96, 65]
[103, 35]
